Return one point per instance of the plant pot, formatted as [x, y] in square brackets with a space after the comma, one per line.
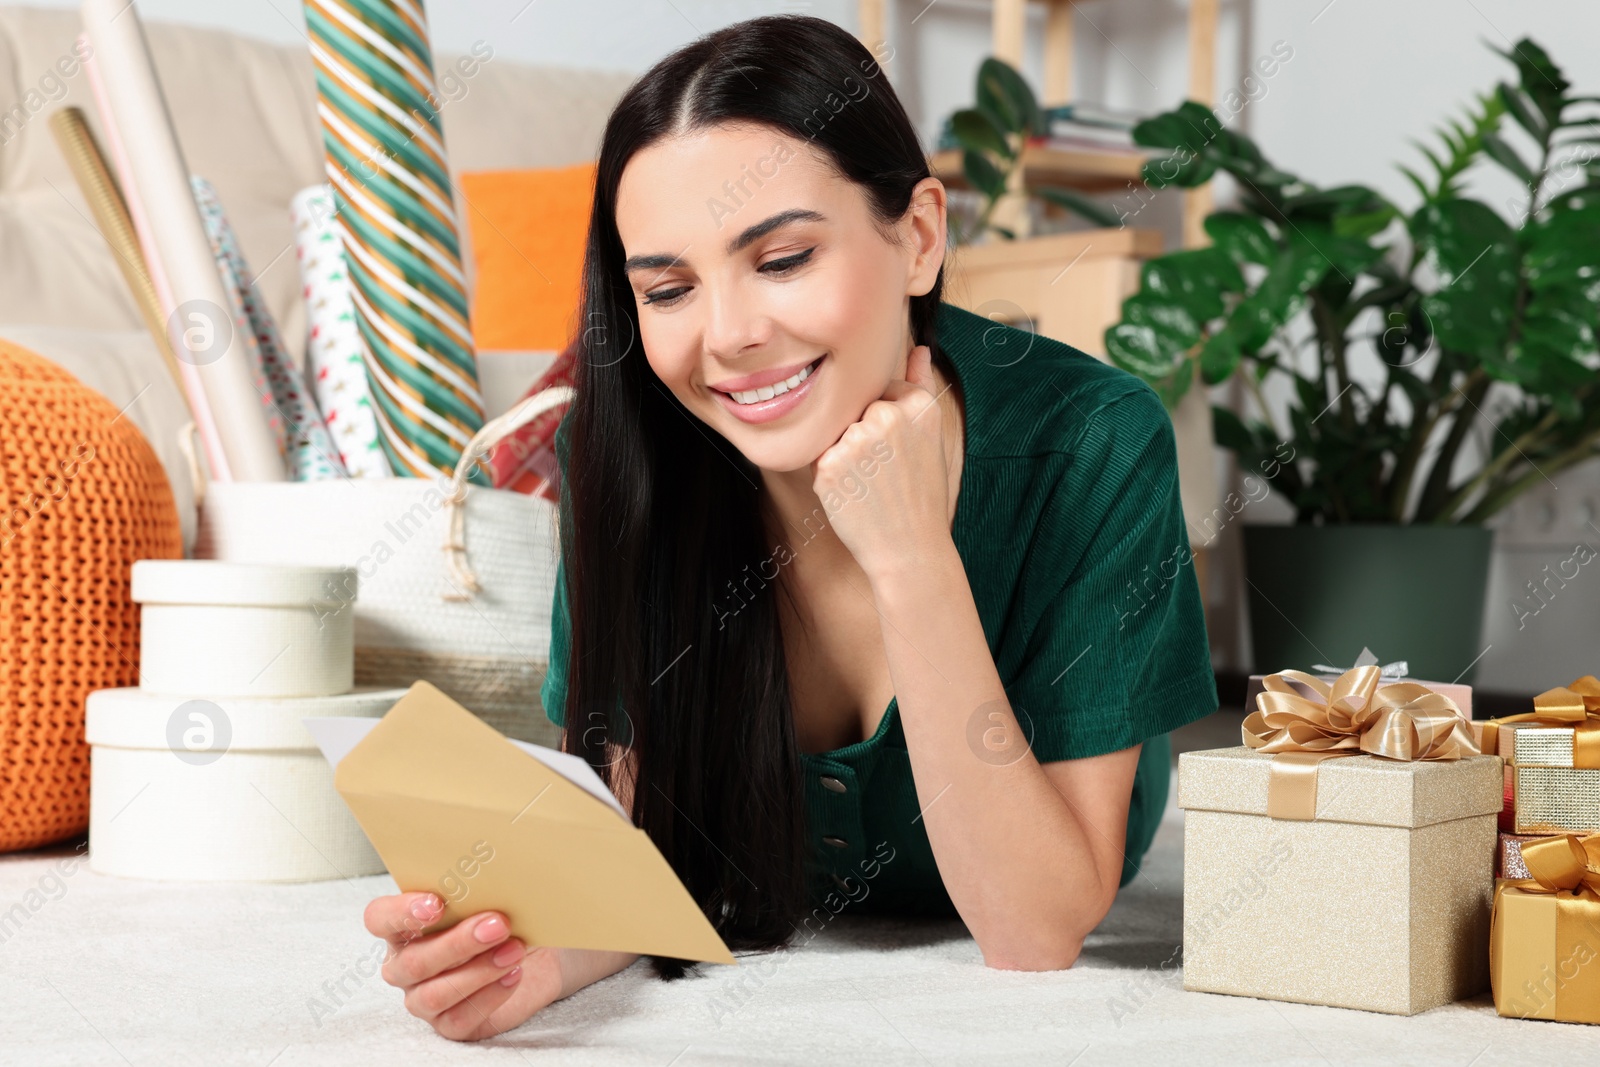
[1319, 594]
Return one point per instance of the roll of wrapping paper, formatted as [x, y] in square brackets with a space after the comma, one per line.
[335, 364]
[198, 303]
[307, 446]
[240, 322]
[99, 189]
[194, 394]
[386, 162]
[526, 461]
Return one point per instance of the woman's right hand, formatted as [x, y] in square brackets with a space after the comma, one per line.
[468, 982]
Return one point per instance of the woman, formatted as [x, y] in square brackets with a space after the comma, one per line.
[865, 601]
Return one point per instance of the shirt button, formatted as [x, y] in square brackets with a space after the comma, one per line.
[832, 783]
[836, 842]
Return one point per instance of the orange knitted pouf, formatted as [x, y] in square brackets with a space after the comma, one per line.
[81, 497]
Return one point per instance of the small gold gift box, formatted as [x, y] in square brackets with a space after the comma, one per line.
[1544, 952]
[1553, 757]
[1345, 855]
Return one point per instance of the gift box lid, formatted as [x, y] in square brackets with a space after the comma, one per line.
[1369, 790]
[209, 581]
[1538, 744]
[133, 718]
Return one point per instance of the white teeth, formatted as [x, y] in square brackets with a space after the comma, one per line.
[767, 392]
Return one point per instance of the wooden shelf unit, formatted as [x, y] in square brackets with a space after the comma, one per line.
[1085, 168]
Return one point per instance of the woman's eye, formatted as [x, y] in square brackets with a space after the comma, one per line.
[666, 296]
[787, 263]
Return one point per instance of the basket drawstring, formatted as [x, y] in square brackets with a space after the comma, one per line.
[463, 581]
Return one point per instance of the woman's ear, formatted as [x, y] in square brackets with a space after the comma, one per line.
[926, 218]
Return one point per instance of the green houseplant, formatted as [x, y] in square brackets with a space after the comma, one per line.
[991, 135]
[1479, 331]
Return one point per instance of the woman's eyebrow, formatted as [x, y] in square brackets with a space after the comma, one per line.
[766, 226]
[661, 262]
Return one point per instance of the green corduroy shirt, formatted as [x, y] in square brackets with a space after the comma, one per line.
[1070, 529]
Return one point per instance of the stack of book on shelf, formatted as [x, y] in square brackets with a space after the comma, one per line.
[1089, 126]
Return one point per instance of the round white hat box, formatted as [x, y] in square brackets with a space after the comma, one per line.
[200, 790]
[211, 629]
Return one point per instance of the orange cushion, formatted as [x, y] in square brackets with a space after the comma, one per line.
[82, 496]
[528, 231]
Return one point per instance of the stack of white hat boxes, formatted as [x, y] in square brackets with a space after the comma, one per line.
[204, 772]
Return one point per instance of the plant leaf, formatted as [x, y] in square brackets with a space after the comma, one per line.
[1219, 356]
[1004, 95]
[1507, 157]
[1172, 388]
[1365, 224]
[1241, 236]
[1518, 107]
[983, 174]
[1295, 269]
[1190, 125]
[1185, 172]
[1475, 253]
[1078, 203]
[1195, 279]
[1139, 349]
[1540, 78]
[1229, 431]
[1175, 327]
[1199, 144]
[975, 131]
[1421, 187]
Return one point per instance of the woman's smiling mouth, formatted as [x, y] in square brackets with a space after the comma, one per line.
[764, 403]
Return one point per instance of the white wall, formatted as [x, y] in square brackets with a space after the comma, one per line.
[1369, 76]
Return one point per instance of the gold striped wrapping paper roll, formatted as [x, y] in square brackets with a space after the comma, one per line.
[386, 162]
[99, 188]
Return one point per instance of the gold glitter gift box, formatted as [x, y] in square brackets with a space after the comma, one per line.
[1553, 760]
[1543, 946]
[1380, 902]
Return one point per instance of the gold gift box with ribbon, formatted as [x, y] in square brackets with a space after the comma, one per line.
[1544, 952]
[1553, 759]
[1344, 855]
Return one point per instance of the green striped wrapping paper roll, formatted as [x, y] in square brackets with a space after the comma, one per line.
[386, 162]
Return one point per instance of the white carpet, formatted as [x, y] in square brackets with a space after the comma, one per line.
[107, 971]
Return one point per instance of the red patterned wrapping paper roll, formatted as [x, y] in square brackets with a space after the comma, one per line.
[526, 461]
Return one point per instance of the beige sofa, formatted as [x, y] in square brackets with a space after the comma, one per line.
[245, 115]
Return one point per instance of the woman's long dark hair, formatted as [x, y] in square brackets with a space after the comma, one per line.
[660, 518]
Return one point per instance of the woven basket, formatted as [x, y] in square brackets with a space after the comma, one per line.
[84, 497]
[457, 582]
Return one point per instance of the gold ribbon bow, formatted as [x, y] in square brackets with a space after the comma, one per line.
[1566, 863]
[1576, 705]
[1356, 714]
[1563, 982]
